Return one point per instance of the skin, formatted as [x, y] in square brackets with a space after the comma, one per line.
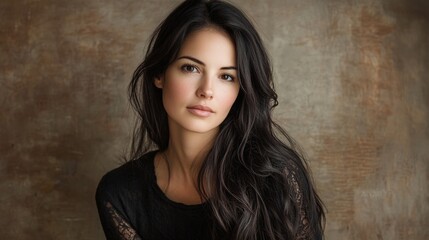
[203, 75]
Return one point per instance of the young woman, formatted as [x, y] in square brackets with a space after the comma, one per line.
[208, 162]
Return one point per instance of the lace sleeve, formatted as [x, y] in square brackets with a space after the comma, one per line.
[115, 226]
[123, 229]
[303, 232]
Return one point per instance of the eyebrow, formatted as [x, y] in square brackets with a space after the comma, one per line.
[202, 63]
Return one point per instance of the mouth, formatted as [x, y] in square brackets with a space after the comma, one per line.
[201, 111]
[201, 108]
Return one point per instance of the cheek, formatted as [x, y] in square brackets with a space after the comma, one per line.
[177, 90]
[228, 97]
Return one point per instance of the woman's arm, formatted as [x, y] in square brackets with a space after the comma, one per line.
[298, 183]
[115, 225]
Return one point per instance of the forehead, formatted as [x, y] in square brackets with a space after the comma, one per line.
[210, 45]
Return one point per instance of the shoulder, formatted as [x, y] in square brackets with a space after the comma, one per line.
[126, 178]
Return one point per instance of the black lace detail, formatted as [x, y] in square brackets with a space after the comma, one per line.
[126, 232]
[304, 227]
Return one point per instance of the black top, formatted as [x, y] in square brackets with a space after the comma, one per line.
[132, 206]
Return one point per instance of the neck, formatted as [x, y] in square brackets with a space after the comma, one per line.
[187, 150]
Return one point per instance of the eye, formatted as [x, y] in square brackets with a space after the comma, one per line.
[227, 77]
[189, 68]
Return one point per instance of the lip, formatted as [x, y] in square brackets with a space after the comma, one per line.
[200, 110]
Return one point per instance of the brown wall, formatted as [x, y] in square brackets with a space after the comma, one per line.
[354, 91]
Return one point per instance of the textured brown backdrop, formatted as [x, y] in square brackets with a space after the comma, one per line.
[352, 78]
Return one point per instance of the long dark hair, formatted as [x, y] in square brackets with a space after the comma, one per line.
[255, 178]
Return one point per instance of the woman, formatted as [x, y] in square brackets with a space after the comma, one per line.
[208, 161]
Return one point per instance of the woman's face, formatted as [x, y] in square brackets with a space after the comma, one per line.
[201, 85]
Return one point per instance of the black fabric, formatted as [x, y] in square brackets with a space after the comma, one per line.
[132, 206]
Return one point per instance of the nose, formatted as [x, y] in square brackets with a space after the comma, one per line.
[205, 90]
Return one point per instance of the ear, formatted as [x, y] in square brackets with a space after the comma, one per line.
[159, 81]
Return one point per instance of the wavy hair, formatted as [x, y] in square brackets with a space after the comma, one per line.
[258, 181]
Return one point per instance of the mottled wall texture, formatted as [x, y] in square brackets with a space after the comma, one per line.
[353, 82]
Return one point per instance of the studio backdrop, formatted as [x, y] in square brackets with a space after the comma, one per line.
[353, 85]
